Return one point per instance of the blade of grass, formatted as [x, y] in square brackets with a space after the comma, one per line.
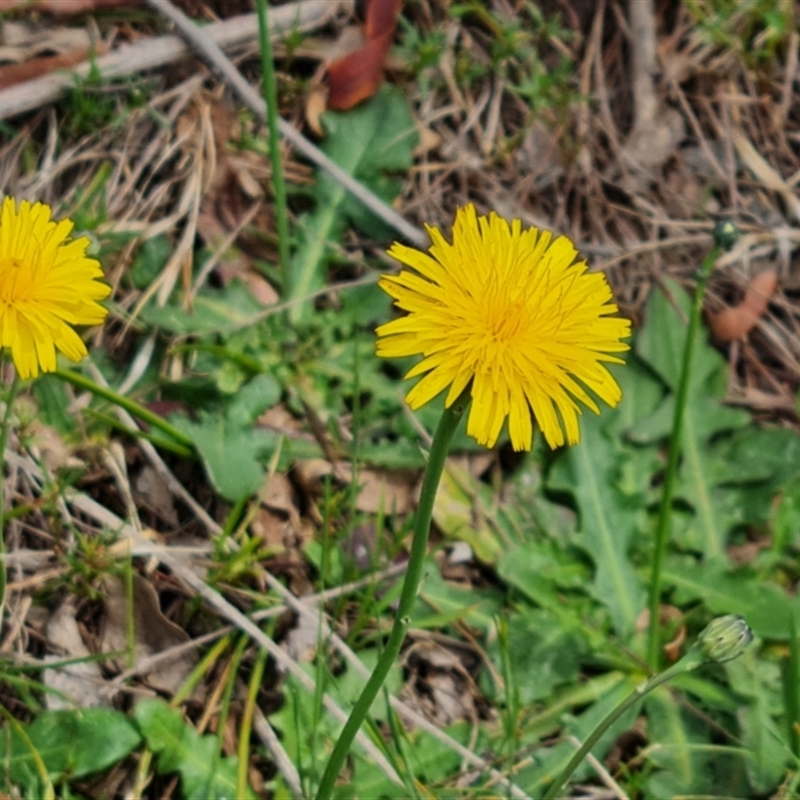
[247, 721]
[270, 90]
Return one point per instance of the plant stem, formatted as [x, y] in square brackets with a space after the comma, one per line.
[269, 87]
[12, 395]
[690, 661]
[131, 406]
[416, 562]
[665, 514]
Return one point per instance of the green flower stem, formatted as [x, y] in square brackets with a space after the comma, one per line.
[416, 561]
[690, 661]
[271, 100]
[665, 514]
[723, 639]
[4, 429]
[131, 406]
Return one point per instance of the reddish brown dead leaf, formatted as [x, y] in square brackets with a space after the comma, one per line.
[737, 321]
[12, 74]
[358, 75]
[65, 8]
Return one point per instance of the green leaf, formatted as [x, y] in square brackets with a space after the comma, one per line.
[661, 344]
[232, 453]
[786, 516]
[609, 517]
[51, 395]
[212, 311]
[759, 681]
[475, 606]
[687, 766]
[253, 399]
[544, 652]
[72, 744]
[541, 570]
[764, 606]
[366, 141]
[205, 775]
[150, 260]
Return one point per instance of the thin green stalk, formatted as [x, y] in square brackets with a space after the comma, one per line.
[270, 90]
[790, 674]
[137, 433]
[416, 565]
[635, 696]
[247, 722]
[131, 406]
[724, 639]
[12, 395]
[725, 235]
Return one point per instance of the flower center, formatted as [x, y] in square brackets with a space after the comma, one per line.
[15, 282]
[506, 319]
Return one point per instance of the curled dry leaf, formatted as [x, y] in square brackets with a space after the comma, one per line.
[153, 633]
[737, 321]
[358, 75]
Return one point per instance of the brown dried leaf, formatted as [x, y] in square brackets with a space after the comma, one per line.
[79, 682]
[152, 489]
[153, 632]
[358, 75]
[387, 491]
[737, 321]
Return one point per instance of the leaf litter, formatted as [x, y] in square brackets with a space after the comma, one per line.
[630, 163]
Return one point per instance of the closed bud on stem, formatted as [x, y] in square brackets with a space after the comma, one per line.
[726, 234]
[725, 638]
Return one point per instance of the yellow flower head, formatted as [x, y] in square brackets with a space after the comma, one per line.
[512, 314]
[47, 284]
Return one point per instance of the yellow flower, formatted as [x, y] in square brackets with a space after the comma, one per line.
[511, 314]
[47, 284]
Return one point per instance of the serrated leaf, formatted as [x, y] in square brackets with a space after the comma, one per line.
[590, 472]
[545, 652]
[253, 399]
[661, 345]
[212, 311]
[759, 681]
[688, 767]
[205, 775]
[764, 606]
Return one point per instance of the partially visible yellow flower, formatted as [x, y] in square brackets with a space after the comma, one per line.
[47, 284]
[511, 314]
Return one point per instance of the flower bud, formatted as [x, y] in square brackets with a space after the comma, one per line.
[725, 638]
[725, 234]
